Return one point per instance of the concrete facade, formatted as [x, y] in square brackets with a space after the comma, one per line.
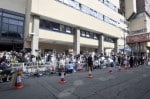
[96, 17]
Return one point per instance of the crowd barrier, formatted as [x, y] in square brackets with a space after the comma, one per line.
[30, 67]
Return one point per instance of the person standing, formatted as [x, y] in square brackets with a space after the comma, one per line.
[131, 61]
[90, 62]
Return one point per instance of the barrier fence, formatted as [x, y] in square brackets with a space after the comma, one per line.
[30, 67]
[33, 67]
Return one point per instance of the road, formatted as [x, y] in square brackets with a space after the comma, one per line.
[130, 84]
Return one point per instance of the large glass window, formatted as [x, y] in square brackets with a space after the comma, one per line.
[108, 39]
[5, 20]
[44, 24]
[12, 25]
[13, 16]
[88, 34]
[20, 30]
[13, 28]
[20, 23]
[12, 21]
[4, 27]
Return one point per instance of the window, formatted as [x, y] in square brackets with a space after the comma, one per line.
[82, 33]
[76, 5]
[92, 12]
[68, 29]
[12, 25]
[106, 19]
[84, 9]
[13, 16]
[20, 29]
[87, 34]
[20, 23]
[108, 39]
[4, 27]
[100, 16]
[95, 36]
[5, 20]
[91, 35]
[11, 21]
[12, 28]
[55, 26]
[44, 24]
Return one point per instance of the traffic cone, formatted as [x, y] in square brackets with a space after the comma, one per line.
[110, 70]
[19, 83]
[119, 68]
[62, 77]
[90, 74]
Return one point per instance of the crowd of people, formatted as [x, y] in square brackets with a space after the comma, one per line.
[69, 61]
[61, 59]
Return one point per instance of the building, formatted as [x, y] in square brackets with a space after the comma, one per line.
[139, 27]
[63, 25]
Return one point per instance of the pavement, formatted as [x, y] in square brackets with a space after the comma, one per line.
[124, 84]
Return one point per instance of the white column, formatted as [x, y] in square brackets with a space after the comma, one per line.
[35, 35]
[76, 42]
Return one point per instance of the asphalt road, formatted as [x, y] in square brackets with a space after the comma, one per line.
[130, 84]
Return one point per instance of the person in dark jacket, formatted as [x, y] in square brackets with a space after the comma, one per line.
[131, 61]
[90, 62]
[6, 71]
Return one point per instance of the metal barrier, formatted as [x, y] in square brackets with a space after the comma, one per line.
[30, 67]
